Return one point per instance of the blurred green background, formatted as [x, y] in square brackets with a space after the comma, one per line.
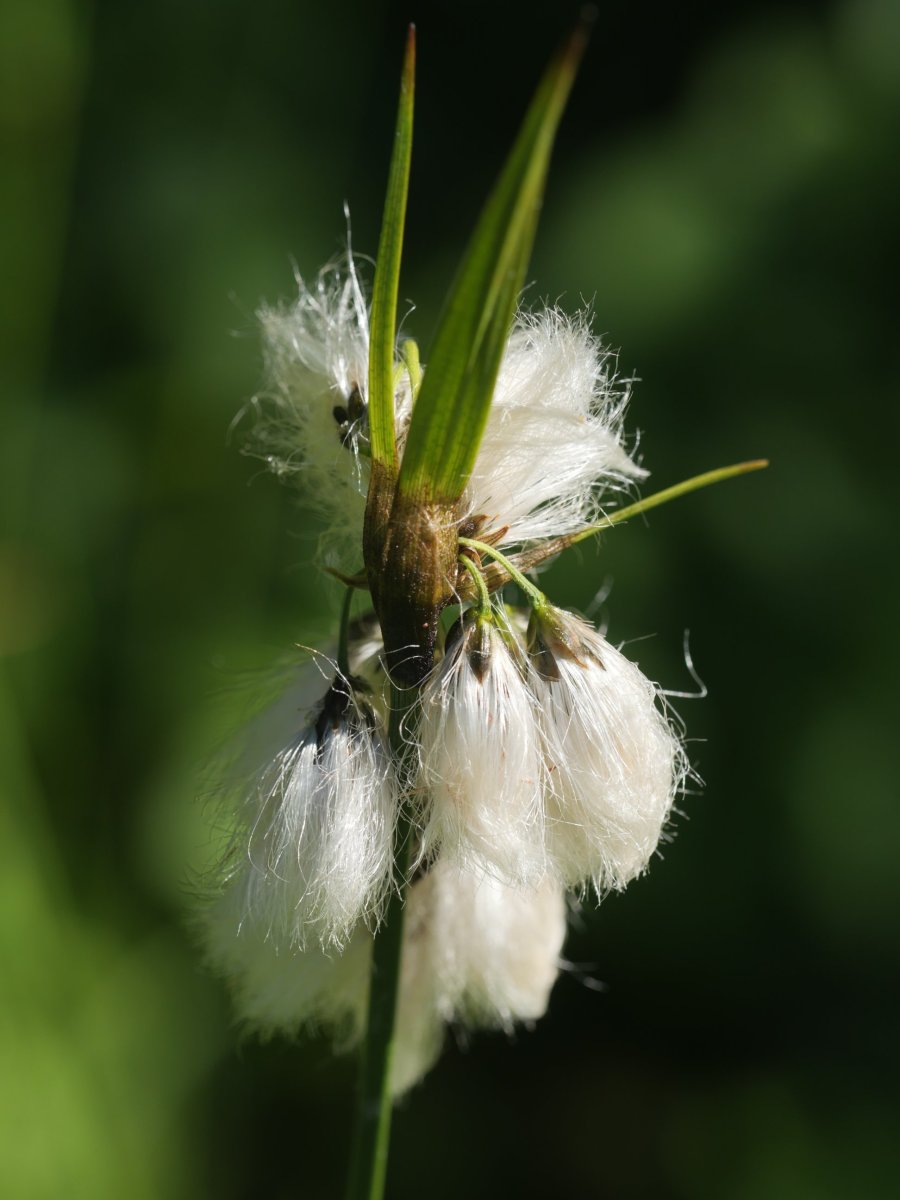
[726, 193]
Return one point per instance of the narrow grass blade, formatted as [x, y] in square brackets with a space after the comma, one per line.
[383, 320]
[671, 493]
[457, 389]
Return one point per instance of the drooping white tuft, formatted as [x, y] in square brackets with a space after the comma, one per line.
[317, 859]
[476, 953]
[316, 356]
[495, 948]
[312, 417]
[481, 773]
[281, 989]
[553, 443]
[614, 763]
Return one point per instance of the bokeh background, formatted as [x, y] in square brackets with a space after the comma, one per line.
[726, 194]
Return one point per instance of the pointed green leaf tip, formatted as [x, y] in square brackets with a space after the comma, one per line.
[452, 408]
[383, 319]
[694, 484]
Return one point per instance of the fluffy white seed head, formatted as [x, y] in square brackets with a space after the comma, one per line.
[481, 774]
[614, 762]
[279, 988]
[285, 990]
[316, 857]
[312, 421]
[316, 357]
[495, 949]
[537, 769]
[553, 443]
[476, 953]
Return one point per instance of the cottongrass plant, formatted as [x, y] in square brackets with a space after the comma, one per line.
[402, 853]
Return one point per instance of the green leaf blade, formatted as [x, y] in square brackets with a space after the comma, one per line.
[694, 484]
[457, 389]
[385, 289]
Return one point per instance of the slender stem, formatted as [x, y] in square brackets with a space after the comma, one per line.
[484, 596]
[667, 494]
[536, 597]
[343, 650]
[536, 556]
[351, 581]
[368, 1163]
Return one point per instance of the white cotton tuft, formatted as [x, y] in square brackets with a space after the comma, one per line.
[281, 989]
[476, 953]
[275, 704]
[481, 772]
[318, 856]
[312, 414]
[553, 443]
[614, 763]
[494, 949]
[317, 358]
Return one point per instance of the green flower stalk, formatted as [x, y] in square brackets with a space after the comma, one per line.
[404, 846]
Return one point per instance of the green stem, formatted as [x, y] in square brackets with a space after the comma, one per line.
[343, 650]
[667, 494]
[368, 1163]
[536, 597]
[484, 596]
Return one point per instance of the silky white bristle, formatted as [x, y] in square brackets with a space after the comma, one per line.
[614, 763]
[481, 774]
[313, 853]
[553, 444]
[476, 953]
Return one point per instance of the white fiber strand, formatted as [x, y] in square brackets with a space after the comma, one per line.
[481, 774]
[477, 954]
[615, 764]
[318, 854]
[553, 443]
